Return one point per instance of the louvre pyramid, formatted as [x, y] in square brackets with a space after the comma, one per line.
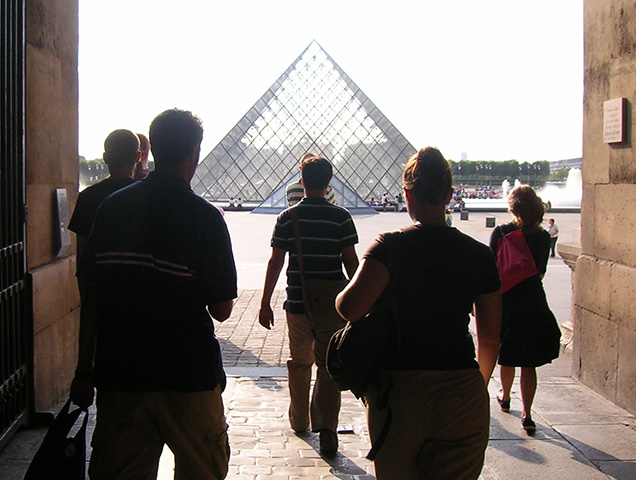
[313, 106]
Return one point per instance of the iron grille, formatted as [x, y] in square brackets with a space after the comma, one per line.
[13, 328]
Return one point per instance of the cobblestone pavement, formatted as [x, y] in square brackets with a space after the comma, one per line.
[263, 444]
[579, 435]
[244, 342]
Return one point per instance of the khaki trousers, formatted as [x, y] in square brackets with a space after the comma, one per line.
[132, 428]
[306, 347]
[439, 429]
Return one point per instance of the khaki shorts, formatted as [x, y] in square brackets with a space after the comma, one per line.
[132, 428]
[439, 429]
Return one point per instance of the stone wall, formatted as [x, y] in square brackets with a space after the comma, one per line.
[51, 163]
[605, 280]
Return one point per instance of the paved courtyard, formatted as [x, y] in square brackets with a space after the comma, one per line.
[579, 435]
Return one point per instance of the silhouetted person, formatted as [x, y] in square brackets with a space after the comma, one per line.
[328, 237]
[439, 401]
[530, 334]
[141, 168]
[294, 192]
[157, 363]
[553, 230]
[121, 153]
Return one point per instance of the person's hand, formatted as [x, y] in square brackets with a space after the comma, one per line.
[266, 317]
[82, 393]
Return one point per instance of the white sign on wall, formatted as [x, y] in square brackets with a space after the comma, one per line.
[613, 118]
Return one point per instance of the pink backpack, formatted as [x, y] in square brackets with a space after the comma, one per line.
[514, 260]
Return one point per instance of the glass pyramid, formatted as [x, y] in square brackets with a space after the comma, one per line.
[313, 106]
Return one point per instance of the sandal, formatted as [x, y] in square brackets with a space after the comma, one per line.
[504, 404]
[528, 425]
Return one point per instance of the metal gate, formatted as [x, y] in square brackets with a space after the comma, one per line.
[14, 346]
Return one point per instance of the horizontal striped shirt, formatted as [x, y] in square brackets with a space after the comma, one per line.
[325, 231]
[295, 193]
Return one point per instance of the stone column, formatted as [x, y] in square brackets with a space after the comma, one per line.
[569, 253]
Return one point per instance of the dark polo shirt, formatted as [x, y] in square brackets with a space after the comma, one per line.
[325, 231]
[158, 254]
[89, 200]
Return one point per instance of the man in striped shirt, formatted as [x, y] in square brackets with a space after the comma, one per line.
[295, 191]
[328, 237]
[156, 361]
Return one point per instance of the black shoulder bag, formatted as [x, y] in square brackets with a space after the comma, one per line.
[357, 352]
[61, 456]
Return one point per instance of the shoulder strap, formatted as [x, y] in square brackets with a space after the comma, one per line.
[299, 249]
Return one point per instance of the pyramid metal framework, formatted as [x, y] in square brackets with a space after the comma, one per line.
[313, 106]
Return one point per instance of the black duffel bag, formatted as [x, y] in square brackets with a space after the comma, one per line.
[60, 456]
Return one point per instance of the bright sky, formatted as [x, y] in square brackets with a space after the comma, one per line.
[497, 79]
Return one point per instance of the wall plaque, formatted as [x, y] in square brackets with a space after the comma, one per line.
[614, 121]
[62, 237]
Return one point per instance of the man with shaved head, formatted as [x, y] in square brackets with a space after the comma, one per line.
[121, 153]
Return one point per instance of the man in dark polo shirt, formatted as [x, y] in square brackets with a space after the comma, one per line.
[328, 238]
[121, 154]
[157, 363]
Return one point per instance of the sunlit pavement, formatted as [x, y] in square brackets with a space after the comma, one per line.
[579, 434]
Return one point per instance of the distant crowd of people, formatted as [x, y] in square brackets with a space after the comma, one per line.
[397, 202]
[456, 203]
[156, 267]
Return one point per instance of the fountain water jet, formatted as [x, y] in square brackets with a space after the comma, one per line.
[566, 198]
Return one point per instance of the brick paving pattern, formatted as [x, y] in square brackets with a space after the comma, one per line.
[244, 342]
[579, 434]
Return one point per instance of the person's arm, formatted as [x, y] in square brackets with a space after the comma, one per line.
[81, 243]
[350, 260]
[82, 392]
[274, 267]
[221, 311]
[369, 281]
[488, 319]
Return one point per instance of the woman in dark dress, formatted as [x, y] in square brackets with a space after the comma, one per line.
[530, 335]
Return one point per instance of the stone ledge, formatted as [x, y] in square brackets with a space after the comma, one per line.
[569, 253]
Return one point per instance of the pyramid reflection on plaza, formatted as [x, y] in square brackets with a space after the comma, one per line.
[313, 106]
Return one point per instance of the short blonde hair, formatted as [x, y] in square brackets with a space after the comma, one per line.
[306, 157]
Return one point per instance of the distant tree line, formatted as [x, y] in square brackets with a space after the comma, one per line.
[471, 172]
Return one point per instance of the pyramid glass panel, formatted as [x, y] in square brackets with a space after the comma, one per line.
[313, 106]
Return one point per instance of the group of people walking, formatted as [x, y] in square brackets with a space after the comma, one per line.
[156, 362]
